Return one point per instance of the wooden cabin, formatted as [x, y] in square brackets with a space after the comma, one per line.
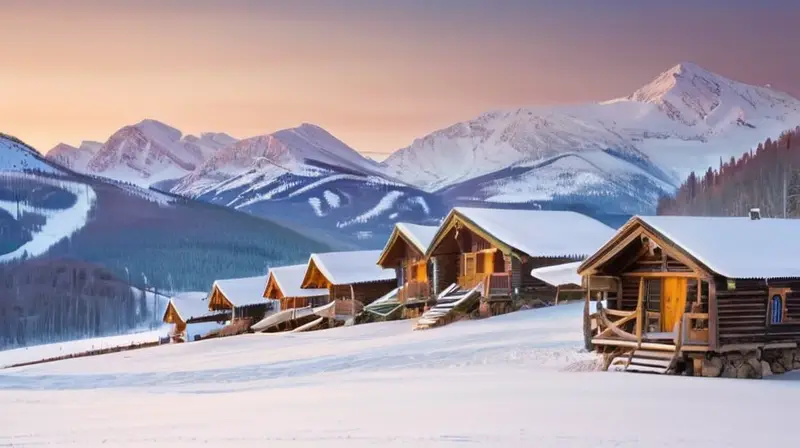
[405, 253]
[353, 279]
[564, 278]
[697, 295]
[284, 285]
[243, 297]
[192, 320]
[500, 247]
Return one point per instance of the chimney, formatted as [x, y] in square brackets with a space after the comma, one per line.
[755, 214]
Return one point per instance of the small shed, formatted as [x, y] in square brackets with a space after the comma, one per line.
[703, 293]
[563, 277]
[353, 279]
[405, 253]
[284, 284]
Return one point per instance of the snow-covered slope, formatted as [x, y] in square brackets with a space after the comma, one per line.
[17, 156]
[515, 381]
[686, 119]
[144, 154]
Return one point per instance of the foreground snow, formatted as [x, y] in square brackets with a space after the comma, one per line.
[510, 381]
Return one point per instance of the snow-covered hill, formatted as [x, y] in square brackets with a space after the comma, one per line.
[686, 119]
[143, 154]
[519, 380]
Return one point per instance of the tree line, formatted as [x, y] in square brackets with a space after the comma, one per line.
[757, 179]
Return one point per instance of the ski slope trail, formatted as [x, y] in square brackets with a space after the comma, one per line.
[518, 380]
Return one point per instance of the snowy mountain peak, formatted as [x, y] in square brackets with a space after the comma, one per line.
[72, 157]
[692, 95]
[158, 130]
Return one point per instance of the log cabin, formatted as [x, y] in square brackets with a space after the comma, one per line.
[697, 296]
[564, 278]
[243, 297]
[353, 279]
[284, 285]
[499, 248]
[405, 253]
[192, 320]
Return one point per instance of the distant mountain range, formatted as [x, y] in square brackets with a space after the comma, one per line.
[612, 157]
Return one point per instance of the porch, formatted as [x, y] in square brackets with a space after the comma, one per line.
[660, 329]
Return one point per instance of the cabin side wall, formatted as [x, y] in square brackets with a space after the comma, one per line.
[743, 312]
[365, 293]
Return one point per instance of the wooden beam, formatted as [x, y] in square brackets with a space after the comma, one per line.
[713, 337]
[587, 321]
[639, 302]
[660, 274]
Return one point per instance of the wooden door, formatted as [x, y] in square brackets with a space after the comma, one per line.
[673, 302]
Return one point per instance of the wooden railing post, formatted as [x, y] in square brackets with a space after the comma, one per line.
[587, 320]
[639, 309]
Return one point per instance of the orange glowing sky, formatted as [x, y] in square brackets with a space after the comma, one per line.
[375, 73]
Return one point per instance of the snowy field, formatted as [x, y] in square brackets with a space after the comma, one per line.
[518, 380]
[47, 351]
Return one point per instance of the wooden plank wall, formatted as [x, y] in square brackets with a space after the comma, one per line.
[742, 313]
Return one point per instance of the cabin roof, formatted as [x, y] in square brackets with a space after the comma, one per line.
[190, 305]
[290, 278]
[346, 268]
[735, 247]
[537, 233]
[243, 291]
[559, 275]
[420, 237]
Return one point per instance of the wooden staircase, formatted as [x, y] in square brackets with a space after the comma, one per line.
[647, 361]
[451, 300]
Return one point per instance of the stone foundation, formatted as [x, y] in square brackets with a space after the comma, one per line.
[753, 364]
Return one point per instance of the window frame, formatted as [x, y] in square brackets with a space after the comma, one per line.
[779, 292]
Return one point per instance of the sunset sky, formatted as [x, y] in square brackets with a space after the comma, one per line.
[376, 73]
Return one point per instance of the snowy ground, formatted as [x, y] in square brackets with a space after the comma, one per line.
[47, 351]
[509, 381]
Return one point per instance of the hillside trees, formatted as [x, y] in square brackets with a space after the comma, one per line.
[755, 180]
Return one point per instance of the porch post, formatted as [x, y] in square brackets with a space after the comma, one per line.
[587, 321]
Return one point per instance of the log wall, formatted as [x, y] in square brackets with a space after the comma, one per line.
[742, 313]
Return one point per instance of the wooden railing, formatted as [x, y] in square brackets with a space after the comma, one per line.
[498, 284]
[414, 289]
[470, 281]
[695, 329]
[348, 307]
[613, 324]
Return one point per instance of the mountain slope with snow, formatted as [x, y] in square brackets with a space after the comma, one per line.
[143, 154]
[686, 119]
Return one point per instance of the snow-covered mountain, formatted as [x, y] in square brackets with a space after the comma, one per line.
[307, 178]
[144, 154]
[306, 150]
[74, 158]
[684, 120]
[616, 156]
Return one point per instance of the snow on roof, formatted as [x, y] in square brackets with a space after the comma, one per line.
[289, 279]
[541, 233]
[243, 291]
[190, 304]
[559, 275]
[735, 247]
[419, 236]
[344, 268]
